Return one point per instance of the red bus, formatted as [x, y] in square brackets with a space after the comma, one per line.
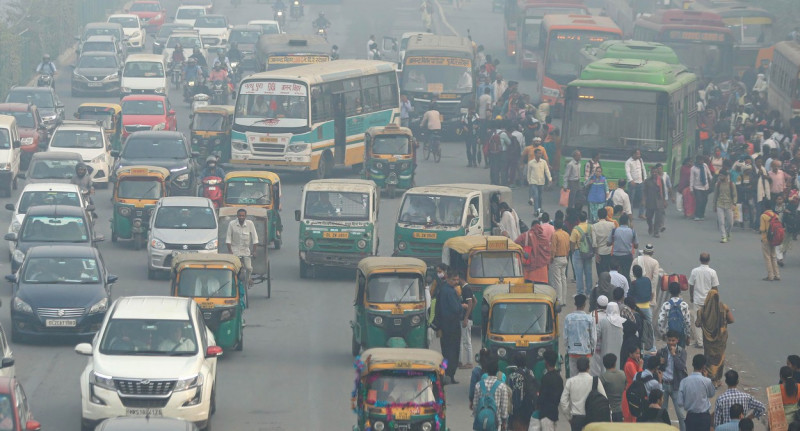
[560, 43]
[529, 28]
[701, 39]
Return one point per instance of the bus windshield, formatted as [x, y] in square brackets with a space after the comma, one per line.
[751, 34]
[432, 209]
[437, 74]
[324, 205]
[272, 104]
[533, 22]
[563, 63]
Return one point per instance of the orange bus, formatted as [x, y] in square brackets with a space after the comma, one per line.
[560, 43]
[783, 93]
[529, 28]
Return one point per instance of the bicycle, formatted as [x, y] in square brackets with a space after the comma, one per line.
[255, 278]
[432, 145]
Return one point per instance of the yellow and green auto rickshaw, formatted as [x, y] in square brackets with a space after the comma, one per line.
[136, 192]
[399, 389]
[110, 114]
[212, 280]
[257, 189]
[390, 303]
[390, 157]
[211, 131]
[484, 260]
[520, 318]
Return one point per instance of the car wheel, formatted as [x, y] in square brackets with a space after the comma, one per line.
[356, 347]
[151, 274]
[86, 425]
[114, 236]
[303, 269]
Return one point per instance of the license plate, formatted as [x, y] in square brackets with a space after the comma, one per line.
[95, 84]
[397, 311]
[143, 412]
[339, 235]
[175, 253]
[266, 139]
[425, 235]
[60, 323]
[402, 415]
[522, 343]
[206, 305]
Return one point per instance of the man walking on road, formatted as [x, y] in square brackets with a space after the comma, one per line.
[701, 280]
[694, 394]
[699, 181]
[451, 308]
[576, 390]
[734, 396]
[538, 172]
[572, 180]
[767, 249]
[650, 269]
[580, 334]
[623, 243]
[559, 249]
[601, 236]
[580, 241]
[724, 200]
[655, 198]
[673, 369]
[636, 174]
[550, 392]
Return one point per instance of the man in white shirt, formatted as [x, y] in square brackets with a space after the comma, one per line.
[701, 280]
[620, 197]
[242, 238]
[576, 390]
[484, 102]
[538, 171]
[601, 232]
[369, 45]
[652, 270]
[499, 87]
[699, 184]
[636, 173]
[617, 279]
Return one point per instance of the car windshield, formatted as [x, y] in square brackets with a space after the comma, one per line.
[143, 107]
[54, 229]
[149, 337]
[61, 270]
[139, 189]
[395, 288]
[186, 218]
[47, 197]
[206, 283]
[387, 144]
[239, 36]
[101, 32]
[400, 389]
[210, 22]
[185, 41]
[99, 47]
[24, 118]
[269, 28]
[5, 140]
[495, 264]
[53, 169]
[105, 117]
[145, 7]
[322, 205]
[143, 69]
[147, 148]
[42, 99]
[97, 62]
[248, 193]
[167, 30]
[520, 317]
[437, 74]
[189, 13]
[76, 139]
[208, 121]
[432, 209]
[126, 22]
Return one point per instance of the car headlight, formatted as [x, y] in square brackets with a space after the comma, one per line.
[240, 146]
[280, 13]
[157, 17]
[161, 90]
[26, 141]
[302, 147]
[160, 126]
[361, 243]
[217, 141]
[309, 243]
[212, 245]
[125, 89]
[379, 165]
[105, 382]
[18, 256]
[157, 244]
[402, 245]
[378, 320]
[404, 166]
[415, 320]
[182, 177]
[189, 383]
[234, 64]
[195, 141]
[124, 211]
[99, 307]
[136, 34]
[101, 158]
[111, 77]
[378, 426]
[79, 76]
[15, 225]
[22, 306]
[501, 352]
[426, 426]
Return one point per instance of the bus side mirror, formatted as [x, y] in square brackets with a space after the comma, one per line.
[297, 215]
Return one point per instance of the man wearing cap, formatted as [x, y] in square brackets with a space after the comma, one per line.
[580, 333]
[651, 269]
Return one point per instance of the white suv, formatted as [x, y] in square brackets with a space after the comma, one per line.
[153, 357]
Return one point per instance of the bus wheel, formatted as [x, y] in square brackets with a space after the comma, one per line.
[323, 170]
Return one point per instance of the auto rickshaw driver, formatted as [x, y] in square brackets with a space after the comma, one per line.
[421, 210]
[322, 206]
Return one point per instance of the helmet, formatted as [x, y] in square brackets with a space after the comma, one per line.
[210, 160]
[80, 166]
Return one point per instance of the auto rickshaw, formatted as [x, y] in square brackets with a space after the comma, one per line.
[520, 318]
[257, 189]
[390, 303]
[212, 280]
[110, 114]
[390, 157]
[211, 131]
[136, 192]
[485, 260]
[260, 262]
[399, 389]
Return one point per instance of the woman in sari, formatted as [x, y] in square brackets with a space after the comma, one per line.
[538, 258]
[610, 216]
[790, 393]
[714, 319]
[596, 193]
[632, 366]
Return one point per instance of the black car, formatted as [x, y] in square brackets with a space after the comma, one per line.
[165, 149]
[45, 98]
[160, 40]
[49, 225]
[60, 290]
[145, 424]
[96, 72]
[246, 37]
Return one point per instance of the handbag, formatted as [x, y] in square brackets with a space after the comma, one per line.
[564, 199]
[527, 251]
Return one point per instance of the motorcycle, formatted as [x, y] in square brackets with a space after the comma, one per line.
[322, 31]
[219, 95]
[89, 205]
[296, 10]
[194, 87]
[176, 72]
[280, 16]
[235, 72]
[212, 189]
[45, 80]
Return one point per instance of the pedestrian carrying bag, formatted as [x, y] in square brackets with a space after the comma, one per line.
[486, 417]
[585, 243]
[775, 232]
[563, 200]
[495, 144]
[681, 279]
[596, 407]
[610, 200]
[648, 335]
[675, 317]
[527, 251]
[637, 395]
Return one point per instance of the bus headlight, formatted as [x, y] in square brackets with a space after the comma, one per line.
[415, 320]
[401, 245]
[426, 426]
[361, 243]
[309, 243]
[378, 320]
[378, 426]
[240, 146]
[501, 352]
[302, 147]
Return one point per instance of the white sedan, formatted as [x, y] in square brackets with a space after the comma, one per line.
[135, 34]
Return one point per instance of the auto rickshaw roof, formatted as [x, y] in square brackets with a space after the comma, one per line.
[526, 291]
[398, 264]
[216, 109]
[142, 171]
[105, 106]
[465, 244]
[458, 189]
[608, 426]
[341, 185]
[184, 259]
[251, 211]
[267, 175]
[401, 358]
[390, 129]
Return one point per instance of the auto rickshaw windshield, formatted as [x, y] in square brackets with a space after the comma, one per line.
[248, 193]
[428, 209]
[208, 122]
[323, 205]
[400, 389]
[206, 283]
[521, 318]
[495, 264]
[139, 189]
[388, 144]
[395, 288]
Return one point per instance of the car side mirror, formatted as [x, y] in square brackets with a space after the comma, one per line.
[11, 236]
[213, 351]
[11, 278]
[99, 238]
[60, 105]
[33, 426]
[171, 112]
[115, 153]
[111, 279]
[297, 215]
[10, 207]
[17, 144]
[84, 349]
[7, 362]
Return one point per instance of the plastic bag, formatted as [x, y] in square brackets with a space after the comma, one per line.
[738, 217]
[564, 199]
[679, 202]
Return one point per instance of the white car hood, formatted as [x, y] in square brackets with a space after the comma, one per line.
[87, 154]
[184, 236]
[185, 21]
[6, 156]
[129, 31]
[143, 366]
[145, 83]
[211, 31]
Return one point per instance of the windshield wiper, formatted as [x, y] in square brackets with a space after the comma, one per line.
[265, 120]
[404, 294]
[530, 327]
[214, 293]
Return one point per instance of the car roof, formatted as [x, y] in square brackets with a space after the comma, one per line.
[55, 210]
[157, 307]
[66, 126]
[123, 15]
[155, 58]
[155, 134]
[144, 97]
[100, 38]
[56, 155]
[51, 187]
[102, 25]
[185, 201]
[61, 251]
[149, 423]
[214, 15]
[7, 120]
[98, 53]
[191, 7]
[16, 107]
[262, 21]
[247, 27]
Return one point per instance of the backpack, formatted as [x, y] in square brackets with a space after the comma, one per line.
[524, 390]
[610, 200]
[486, 418]
[585, 243]
[637, 395]
[597, 407]
[775, 232]
[648, 335]
[495, 144]
[675, 317]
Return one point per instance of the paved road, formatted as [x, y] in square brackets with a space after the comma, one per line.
[296, 368]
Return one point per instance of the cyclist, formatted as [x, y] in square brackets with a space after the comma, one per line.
[431, 123]
[241, 239]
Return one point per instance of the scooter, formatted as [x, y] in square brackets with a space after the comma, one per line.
[280, 16]
[212, 189]
[219, 95]
[45, 80]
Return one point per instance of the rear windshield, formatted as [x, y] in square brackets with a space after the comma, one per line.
[47, 197]
[210, 22]
[24, 118]
[142, 148]
[53, 169]
[186, 218]
[143, 69]
[54, 229]
[126, 22]
[144, 7]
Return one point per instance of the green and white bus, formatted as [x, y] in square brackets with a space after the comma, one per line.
[631, 49]
[619, 105]
[312, 118]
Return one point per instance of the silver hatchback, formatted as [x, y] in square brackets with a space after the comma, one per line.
[180, 224]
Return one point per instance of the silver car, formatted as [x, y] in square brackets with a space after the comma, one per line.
[180, 224]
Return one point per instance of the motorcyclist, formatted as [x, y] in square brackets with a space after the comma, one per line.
[211, 169]
[218, 73]
[191, 71]
[335, 52]
[299, 5]
[83, 179]
[222, 59]
[278, 6]
[234, 55]
[177, 54]
[321, 21]
[46, 66]
[197, 55]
